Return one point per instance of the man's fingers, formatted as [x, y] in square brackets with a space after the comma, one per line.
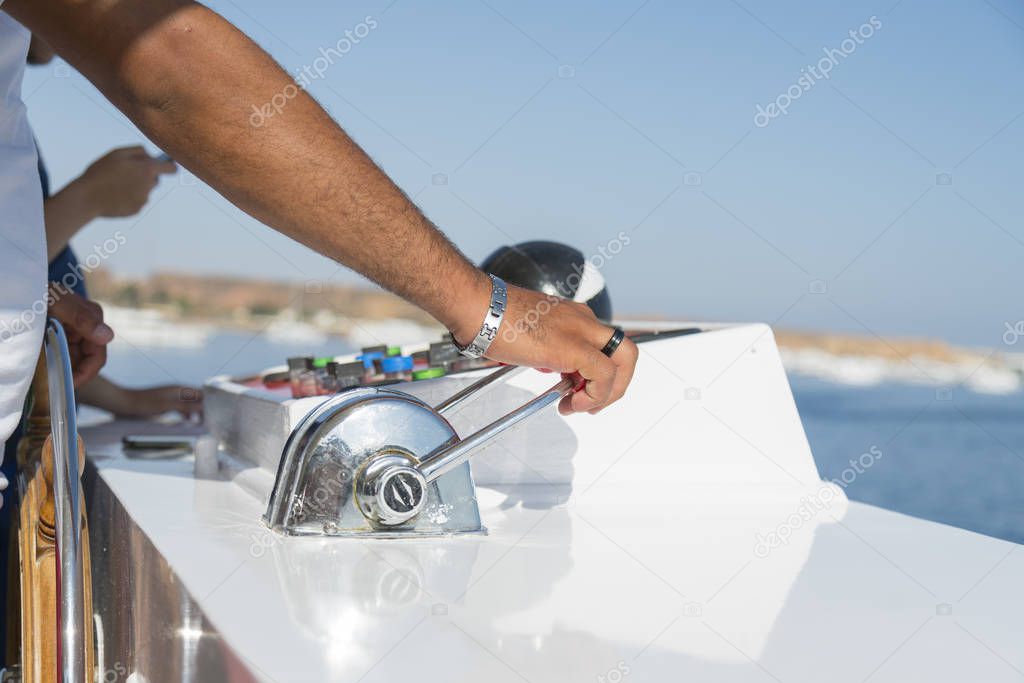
[618, 371]
[624, 359]
[88, 322]
[164, 167]
[92, 357]
[82, 319]
[567, 338]
[565, 404]
[87, 334]
[625, 362]
[599, 373]
[134, 151]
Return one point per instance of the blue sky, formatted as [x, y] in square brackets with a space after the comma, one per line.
[886, 201]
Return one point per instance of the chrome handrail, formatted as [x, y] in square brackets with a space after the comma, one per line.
[67, 503]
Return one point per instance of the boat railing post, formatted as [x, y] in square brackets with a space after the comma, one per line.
[67, 503]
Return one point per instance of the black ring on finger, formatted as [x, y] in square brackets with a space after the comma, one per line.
[617, 336]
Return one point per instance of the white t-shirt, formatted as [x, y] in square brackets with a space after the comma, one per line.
[22, 239]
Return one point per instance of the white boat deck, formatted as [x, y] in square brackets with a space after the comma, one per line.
[643, 565]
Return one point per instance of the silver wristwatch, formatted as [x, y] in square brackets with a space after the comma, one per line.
[492, 321]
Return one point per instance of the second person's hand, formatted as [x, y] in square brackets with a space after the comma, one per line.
[120, 182]
[86, 333]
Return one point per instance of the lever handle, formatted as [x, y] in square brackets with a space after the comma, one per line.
[460, 397]
[446, 459]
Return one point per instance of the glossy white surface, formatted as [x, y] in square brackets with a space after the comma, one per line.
[646, 567]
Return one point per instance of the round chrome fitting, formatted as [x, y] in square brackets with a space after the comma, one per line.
[390, 489]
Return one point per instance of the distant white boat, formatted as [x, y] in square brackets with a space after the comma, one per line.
[294, 332]
[150, 328]
[365, 332]
[983, 378]
[995, 381]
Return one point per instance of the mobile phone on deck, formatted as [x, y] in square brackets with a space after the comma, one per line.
[157, 442]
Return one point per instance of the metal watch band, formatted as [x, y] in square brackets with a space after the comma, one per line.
[492, 321]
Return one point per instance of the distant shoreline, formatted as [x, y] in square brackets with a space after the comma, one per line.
[865, 361]
[180, 308]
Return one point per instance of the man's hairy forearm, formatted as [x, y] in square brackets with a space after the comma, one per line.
[190, 80]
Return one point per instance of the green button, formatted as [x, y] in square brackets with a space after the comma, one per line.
[428, 373]
[321, 362]
[394, 351]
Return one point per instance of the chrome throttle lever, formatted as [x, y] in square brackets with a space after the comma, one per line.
[445, 459]
[392, 490]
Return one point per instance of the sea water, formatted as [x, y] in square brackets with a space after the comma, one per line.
[945, 454]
